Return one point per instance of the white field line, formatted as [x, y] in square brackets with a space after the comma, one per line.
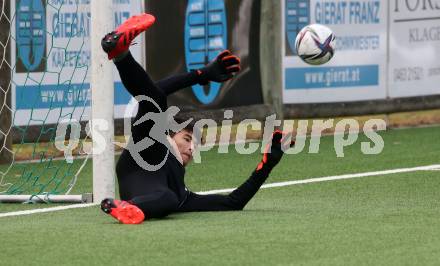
[332, 178]
[59, 208]
[271, 185]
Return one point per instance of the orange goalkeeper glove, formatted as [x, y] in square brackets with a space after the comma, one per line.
[221, 69]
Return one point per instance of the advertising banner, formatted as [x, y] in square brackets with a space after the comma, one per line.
[51, 55]
[191, 34]
[414, 48]
[358, 69]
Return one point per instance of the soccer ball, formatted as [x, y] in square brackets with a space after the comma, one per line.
[315, 44]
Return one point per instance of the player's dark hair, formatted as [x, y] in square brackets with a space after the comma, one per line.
[180, 119]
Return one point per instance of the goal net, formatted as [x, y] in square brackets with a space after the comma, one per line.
[46, 60]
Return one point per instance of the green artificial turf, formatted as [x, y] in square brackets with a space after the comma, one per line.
[382, 220]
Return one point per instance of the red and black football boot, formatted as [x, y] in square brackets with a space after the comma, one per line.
[123, 211]
[118, 41]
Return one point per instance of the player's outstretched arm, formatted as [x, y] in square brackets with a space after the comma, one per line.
[238, 198]
[274, 151]
[272, 155]
[221, 69]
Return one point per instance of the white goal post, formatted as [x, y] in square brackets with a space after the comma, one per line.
[102, 84]
[102, 107]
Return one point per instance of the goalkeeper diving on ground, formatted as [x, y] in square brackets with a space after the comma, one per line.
[149, 194]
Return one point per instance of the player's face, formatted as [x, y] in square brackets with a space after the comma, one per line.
[185, 144]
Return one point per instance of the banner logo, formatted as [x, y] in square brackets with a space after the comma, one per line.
[31, 37]
[297, 17]
[205, 38]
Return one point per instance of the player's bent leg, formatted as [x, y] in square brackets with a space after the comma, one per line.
[157, 204]
[148, 191]
[137, 81]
